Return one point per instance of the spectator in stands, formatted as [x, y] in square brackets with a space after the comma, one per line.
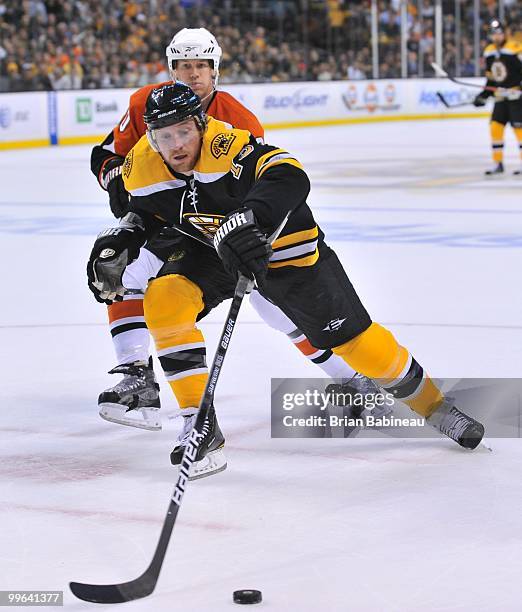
[68, 44]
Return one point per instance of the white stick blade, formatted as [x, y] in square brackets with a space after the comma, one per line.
[438, 70]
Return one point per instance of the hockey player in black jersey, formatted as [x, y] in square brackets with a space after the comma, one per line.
[229, 192]
[503, 59]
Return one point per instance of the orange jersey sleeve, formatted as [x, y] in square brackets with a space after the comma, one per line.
[131, 127]
[225, 107]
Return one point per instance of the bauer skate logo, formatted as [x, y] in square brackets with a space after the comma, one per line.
[189, 456]
[229, 225]
[221, 144]
[106, 253]
[334, 325]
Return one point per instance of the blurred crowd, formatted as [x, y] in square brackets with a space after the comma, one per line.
[83, 44]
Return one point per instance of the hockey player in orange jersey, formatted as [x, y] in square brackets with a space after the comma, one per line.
[193, 57]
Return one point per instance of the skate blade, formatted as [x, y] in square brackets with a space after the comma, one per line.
[213, 463]
[150, 419]
[485, 445]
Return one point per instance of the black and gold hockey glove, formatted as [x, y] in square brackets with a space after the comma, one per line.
[114, 249]
[481, 98]
[242, 246]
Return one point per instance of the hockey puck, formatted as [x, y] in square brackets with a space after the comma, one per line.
[247, 596]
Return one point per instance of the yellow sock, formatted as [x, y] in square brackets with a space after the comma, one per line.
[375, 353]
[171, 306]
[497, 140]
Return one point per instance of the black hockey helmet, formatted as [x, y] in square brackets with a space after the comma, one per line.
[496, 27]
[172, 103]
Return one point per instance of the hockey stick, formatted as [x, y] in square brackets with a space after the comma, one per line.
[447, 104]
[440, 72]
[146, 583]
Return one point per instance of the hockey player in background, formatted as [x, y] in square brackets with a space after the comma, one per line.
[503, 58]
[193, 172]
[193, 57]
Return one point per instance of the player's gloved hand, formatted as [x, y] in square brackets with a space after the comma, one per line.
[242, 246]
[112, 181]
[113, 250]
[481, 99]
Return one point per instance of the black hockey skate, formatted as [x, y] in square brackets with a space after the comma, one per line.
[517, 172]
[210, 457]
[496, 170]
[134, 401]
[450, 421]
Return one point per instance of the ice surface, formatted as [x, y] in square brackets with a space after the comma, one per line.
[377, 525]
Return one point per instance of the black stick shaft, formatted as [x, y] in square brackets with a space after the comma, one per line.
[198, 431]
[145, 584]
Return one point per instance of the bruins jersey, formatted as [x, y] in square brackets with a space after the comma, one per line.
[131, 128]
[233, 170]
[504, 65]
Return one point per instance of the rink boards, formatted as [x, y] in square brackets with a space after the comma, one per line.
[32, 119]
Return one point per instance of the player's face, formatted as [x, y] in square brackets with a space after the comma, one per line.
[498, 38]
[197, 74]
[179, 145]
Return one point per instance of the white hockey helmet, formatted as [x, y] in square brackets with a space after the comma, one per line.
[194, 43]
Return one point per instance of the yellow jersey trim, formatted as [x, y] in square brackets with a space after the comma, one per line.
[296, 238]
[290, 161]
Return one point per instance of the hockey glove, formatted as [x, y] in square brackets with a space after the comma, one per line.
[112, 181]
[113, 250]
[242, 246]
[481, 99]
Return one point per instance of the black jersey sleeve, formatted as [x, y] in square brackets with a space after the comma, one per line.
[280, 190]
[278, 184]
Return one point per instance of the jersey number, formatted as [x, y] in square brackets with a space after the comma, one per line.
[236, 170]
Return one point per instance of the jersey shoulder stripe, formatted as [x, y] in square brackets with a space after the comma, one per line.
[511, 47]
[275, 158]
